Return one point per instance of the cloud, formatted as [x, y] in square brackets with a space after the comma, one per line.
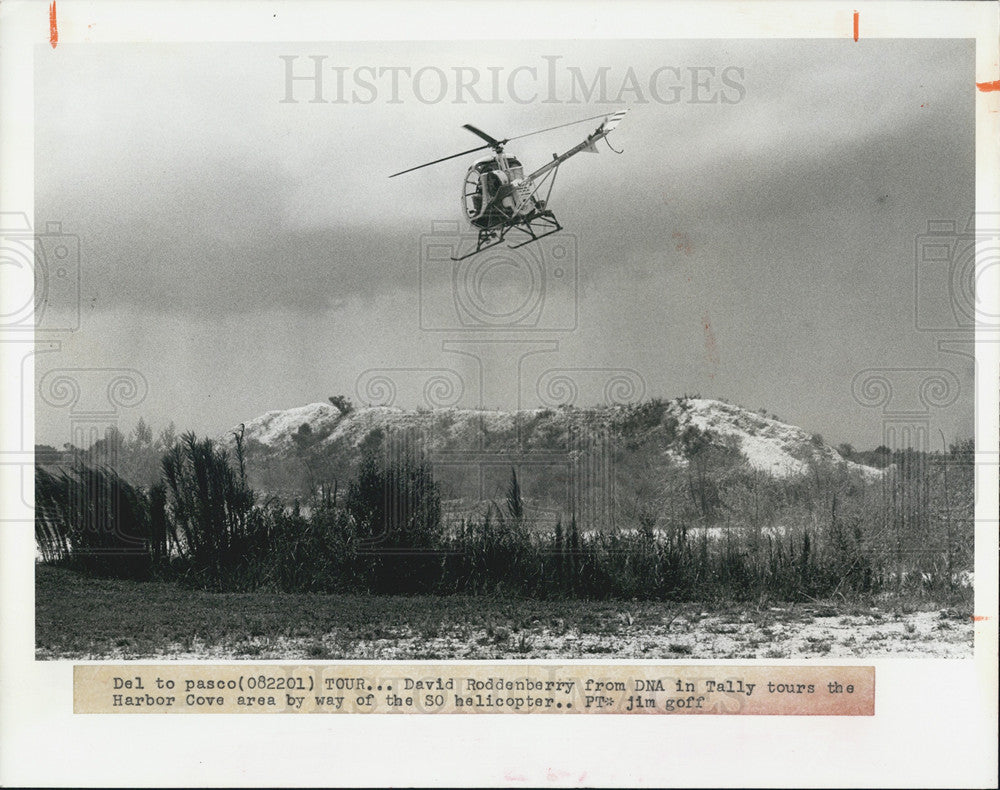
[195, 191]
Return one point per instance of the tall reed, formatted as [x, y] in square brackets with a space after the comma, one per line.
[90, 518]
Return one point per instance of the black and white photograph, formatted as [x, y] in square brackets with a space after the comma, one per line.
[392, 338]
[527, 347]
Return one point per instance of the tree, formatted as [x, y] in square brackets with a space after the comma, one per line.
[846, 451]
[395, 502]
[168, 437]
[703, 459]
[343, 403]
[142, 434]
[881, 456]
[305, 441]
[107, 451]
[515, 504]
[303, 437]
[396, 508]
[214, 509]
[964, 450]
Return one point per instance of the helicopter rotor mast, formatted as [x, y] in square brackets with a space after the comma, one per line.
[496, 145]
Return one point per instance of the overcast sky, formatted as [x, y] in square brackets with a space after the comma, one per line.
[248, 254]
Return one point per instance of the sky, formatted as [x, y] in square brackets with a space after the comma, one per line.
[243, 248]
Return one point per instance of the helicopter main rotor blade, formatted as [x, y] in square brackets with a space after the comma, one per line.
[442, 159]
[497, 145]
[560, 126]
[480, 133]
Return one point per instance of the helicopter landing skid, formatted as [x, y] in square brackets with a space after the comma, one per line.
[480, 246]
[546, 220]
[536, 237]
[491, 238]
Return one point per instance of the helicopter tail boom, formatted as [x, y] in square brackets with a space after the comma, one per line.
[589, 145]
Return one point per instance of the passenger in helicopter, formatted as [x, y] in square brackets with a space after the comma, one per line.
[492, 185]
[486, 192]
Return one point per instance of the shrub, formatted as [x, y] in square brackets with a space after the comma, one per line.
[314, 554]
[91, 519]
[395, 506]
[699, 528]
[219, 528]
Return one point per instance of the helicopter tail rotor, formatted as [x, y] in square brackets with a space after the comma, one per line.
[601, 133]
[612, 121]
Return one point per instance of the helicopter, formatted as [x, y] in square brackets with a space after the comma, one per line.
[497, 197]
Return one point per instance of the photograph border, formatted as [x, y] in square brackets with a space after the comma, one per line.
[935, 722]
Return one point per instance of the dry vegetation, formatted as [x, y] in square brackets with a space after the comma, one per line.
[706, 556]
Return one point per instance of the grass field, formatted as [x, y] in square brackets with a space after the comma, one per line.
[78, 617]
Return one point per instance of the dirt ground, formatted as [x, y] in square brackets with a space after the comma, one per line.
[82, 618]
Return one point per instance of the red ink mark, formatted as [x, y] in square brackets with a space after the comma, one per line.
[510, 776]
[711, 348]
[53, 27]
[683, 243]
[856, 15]
[978, 618]
[985, 87]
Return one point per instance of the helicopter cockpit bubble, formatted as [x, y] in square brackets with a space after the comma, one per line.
[483, 181]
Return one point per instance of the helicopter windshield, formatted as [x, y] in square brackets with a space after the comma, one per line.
[515, 169]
